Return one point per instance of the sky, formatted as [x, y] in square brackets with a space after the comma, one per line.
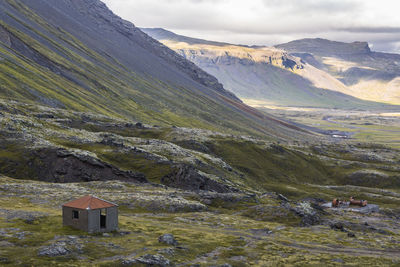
[270, 22]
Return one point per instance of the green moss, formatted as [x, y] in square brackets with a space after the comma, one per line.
[265, 166]
[154, 171]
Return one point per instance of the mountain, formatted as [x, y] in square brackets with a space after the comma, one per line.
[294, 74]
[323, 47]
[366, 74]
[80, 56]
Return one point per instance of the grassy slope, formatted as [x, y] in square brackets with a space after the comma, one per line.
[101, 84]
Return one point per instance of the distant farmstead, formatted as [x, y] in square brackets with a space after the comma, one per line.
[91, 214]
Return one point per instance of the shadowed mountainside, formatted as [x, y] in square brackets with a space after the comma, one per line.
[78, 55]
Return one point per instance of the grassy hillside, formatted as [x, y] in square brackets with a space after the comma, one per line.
[46, 62]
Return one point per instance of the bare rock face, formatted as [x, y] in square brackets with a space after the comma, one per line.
[59, 165]
[99, 11]
[188, 178]
[64, 166]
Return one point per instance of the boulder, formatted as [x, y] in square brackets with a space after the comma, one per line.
[168, 239]
[55, 249]
[62, 246]
[308, 213]
[351, 234]
[148, 260]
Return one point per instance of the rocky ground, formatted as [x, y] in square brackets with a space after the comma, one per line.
[190, 197]
[166, 227]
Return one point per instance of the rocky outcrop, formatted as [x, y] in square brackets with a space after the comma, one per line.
[57, 249]
[308, 213]
[62, 246]
[290, 64]
[188, 178]
[147, 260]
[65, 166]
[59, 165]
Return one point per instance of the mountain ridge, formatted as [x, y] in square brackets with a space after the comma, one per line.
[319, 84]
[320, 45]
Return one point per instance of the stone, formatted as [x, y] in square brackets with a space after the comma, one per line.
[148, 260]
[168, 239]
[351, 234]
[338, 226]
[54, 250]
[309, 215]
[122, 233]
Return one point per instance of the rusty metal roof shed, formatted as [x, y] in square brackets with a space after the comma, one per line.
[89, 203]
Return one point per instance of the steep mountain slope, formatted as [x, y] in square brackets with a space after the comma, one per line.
[267, 74]
[78, 55]
[366, 74]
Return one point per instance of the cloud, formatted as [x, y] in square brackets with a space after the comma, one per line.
[269, 21]
[371, 29]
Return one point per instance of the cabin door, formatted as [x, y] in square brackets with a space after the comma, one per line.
[103, 217]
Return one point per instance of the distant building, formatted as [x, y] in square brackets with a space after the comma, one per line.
[91, 214]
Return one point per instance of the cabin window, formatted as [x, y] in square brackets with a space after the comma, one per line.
[75, 214]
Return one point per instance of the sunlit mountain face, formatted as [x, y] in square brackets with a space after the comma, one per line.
[308, 72]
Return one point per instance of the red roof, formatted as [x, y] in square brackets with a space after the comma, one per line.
[89, 203]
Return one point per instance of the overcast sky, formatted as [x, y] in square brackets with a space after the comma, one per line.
[269, 22]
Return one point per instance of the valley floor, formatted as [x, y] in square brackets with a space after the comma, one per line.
[211, 229]
[379, 127]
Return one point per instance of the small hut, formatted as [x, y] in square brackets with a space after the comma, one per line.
[91, 214]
